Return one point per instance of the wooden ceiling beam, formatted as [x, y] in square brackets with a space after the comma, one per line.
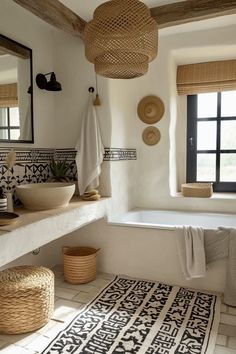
[56, 14]
[60, 16]
[191, 10]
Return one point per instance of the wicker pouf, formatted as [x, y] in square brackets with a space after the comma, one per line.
[26, 298]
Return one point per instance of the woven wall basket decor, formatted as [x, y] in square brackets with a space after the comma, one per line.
[150, 109]
[151, 136]
[121, 39]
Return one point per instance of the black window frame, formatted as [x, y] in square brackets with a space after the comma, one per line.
[9, 127]
[192, 151]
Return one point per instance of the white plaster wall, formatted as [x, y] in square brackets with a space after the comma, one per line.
[122, 187]
[21, 26]
[122, 108]
[76, 75]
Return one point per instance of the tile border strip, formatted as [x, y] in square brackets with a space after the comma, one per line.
[120, 154]
[42, 155]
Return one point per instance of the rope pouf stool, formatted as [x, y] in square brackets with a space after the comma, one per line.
[26, 298]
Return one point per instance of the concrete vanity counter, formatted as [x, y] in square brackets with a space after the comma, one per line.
[37, 228]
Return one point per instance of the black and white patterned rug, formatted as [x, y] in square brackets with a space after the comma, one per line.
[133, 316]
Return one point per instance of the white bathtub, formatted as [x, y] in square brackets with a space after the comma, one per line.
[138, 246]
[167, 220]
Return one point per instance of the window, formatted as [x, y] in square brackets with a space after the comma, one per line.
[9, 123]
[211, 139]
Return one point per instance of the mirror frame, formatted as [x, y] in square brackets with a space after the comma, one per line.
[14, 43]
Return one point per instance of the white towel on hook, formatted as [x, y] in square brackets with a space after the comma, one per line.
[90, 150]
[190, 244]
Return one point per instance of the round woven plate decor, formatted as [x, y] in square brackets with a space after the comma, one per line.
[151, 136]
[151, 109]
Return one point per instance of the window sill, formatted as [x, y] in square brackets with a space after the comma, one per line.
[222, 196]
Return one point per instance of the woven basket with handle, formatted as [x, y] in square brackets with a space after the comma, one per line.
[80, 264]
[197, 190]
[26, 298]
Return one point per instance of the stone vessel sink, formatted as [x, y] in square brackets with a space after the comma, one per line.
[43, 196]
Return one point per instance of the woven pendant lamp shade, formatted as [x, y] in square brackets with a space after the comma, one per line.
[121, 39]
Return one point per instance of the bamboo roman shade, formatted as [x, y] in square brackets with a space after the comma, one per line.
[8, 95]
[213, 76]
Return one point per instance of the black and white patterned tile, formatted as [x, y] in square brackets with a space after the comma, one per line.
[39, 155]
[119, 154]
[33, 165]
[45, 155]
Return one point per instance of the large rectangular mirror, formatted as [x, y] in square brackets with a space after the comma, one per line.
[16, 92]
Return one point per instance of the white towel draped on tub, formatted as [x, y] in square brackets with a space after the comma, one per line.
[220, 244]
[194, 243]
[90, 150]
[230, 289]
[190, 244]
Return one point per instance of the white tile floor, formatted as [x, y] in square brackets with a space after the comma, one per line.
[71, 298]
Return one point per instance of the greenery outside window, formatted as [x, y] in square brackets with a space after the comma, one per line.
[211, 139]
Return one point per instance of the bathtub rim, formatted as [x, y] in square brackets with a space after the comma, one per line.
[117, 221]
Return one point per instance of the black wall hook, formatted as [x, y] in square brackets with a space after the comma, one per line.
[91, 89]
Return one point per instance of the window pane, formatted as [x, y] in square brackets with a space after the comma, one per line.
[228, 168]
[14, 116]
[228, 134]
[14, 134]
[3, 134]
[207, 105]
[228, 104]
[206, 136]
[3, 117]
[206, 167]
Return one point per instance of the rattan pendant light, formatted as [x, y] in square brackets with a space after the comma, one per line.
[121, 39]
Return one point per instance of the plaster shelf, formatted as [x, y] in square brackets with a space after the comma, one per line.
[37, 228]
